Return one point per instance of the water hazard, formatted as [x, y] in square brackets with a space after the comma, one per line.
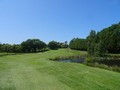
[75, 61]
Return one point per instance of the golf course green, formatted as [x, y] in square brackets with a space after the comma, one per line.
[35, 71]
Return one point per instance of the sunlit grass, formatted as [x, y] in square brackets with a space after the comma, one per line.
[36, 72]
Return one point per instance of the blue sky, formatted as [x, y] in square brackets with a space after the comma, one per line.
[59, 20]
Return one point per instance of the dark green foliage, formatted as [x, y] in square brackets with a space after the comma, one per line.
[0, 46]
[105, 41]
[10, 48]
[109, 63]
[88, 59]
[91, 42]
[95, 46]
[99, 43]
[100, 49]
[6, 48]
[103, 66]
[16, 48]
[32, 45]
[78, 44]
[28, 46]
[62, 45]
[111, 38]
[53, 45]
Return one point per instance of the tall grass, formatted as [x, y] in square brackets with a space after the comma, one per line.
[109, 63]
[75, 57]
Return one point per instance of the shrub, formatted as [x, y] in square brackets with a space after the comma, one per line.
[104, 63]
[88, 59]
[66, 58]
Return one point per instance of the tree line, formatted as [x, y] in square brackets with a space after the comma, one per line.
[31, 46]
[78, 44]
[99, 43]
[96, 43]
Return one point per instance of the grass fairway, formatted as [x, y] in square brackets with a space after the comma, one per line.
[37, 72]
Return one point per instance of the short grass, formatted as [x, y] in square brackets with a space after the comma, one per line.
[37, 72]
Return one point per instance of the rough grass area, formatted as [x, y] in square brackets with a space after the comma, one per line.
[37, 72]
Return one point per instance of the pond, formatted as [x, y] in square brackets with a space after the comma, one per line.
[76, 61]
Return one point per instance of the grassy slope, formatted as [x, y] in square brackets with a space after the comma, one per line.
[36, 72]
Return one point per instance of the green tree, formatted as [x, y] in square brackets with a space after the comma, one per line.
[6, 48]
[91, 42]
[16, 48]
[100, 49]
[111, 38]
[78, 44]
[62, 45]
[53, 45]
[32, 45]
